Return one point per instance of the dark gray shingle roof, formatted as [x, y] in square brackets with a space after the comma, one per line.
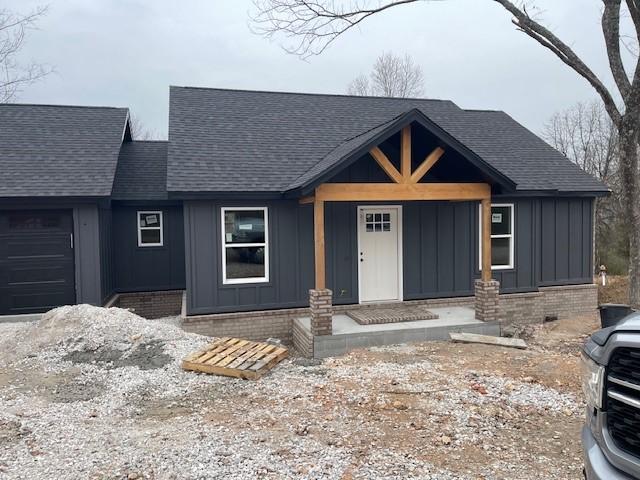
[51, 150]
[248, 141]
[142, 171]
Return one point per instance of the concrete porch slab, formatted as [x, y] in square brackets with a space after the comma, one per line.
[348, 334]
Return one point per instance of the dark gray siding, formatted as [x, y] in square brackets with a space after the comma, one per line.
[566, 229]
[522, 278]
[440, 251]
[290, 258]
[87, 254]
[341, 244]
[107, 270]
[148, 268]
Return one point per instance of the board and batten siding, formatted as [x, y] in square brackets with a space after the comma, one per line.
[440, 251]
[553, 244]
[566, 236]
[145, 269]
[87, 254]
[439, 247]
[107, 266]
[290, 259]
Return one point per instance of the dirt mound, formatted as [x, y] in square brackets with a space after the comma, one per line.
[108, 337]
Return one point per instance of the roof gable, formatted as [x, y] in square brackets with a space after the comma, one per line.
[59, 151]
[353, 149]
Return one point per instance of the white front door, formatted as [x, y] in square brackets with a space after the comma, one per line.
[380, 253]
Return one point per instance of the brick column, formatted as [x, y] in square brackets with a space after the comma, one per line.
[321, 309]
[487, 298]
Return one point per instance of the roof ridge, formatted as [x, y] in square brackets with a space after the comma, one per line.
[488, 110]
[53, 105]
[340, 95]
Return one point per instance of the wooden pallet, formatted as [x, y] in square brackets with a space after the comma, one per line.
[234, 357]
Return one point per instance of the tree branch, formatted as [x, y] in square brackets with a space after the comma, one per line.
[548, 39]
[13, 75]
[611, 30]
[634, 10]
[316, 23]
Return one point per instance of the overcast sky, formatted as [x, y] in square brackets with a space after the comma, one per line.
[128, 52]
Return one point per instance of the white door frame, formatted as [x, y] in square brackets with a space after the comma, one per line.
[398, 208]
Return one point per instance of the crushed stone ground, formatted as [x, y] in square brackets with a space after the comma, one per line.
[98, 393]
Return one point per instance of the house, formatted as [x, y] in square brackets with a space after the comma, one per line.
[264, 206]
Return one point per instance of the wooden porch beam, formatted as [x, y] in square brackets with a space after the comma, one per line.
[355, 192]
[426, 165]
[486, 239]
[305, 200]
[405, 154]
[318, 237]
[386, 164]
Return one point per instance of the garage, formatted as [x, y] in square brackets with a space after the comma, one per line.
[36, 260]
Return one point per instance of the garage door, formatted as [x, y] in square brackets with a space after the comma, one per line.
[36, 260]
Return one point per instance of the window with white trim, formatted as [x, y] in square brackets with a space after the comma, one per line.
[150, 232]
[245, 245]
[502, 236]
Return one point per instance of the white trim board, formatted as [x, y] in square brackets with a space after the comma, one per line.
[512, 250]
[223, 247]
[160, 227]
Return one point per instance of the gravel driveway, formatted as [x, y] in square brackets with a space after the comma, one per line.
[96, 393]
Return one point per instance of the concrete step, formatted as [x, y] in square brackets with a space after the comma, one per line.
[335, 345]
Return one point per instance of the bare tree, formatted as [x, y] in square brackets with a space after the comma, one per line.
[314, 25]
[360, 86]
[585, 134]
[15, 75]
[139, 131]
[392, 76]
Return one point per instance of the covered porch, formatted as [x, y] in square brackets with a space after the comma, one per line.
[407, 184]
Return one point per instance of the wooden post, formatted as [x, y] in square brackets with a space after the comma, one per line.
[405, 154]
[318, 236]
[486, 239]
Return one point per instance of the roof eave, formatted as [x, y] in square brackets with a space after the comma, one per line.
[224, 195]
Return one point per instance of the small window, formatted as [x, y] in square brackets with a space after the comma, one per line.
[502, 236]
[245, 252]
[377, 222]
[150, 229]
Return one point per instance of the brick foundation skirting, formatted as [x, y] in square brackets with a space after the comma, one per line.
[302, 339]
[513, 308]
[521, 308]
[560, 302]
[151, 304]
[570, 301]
[257, 325]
